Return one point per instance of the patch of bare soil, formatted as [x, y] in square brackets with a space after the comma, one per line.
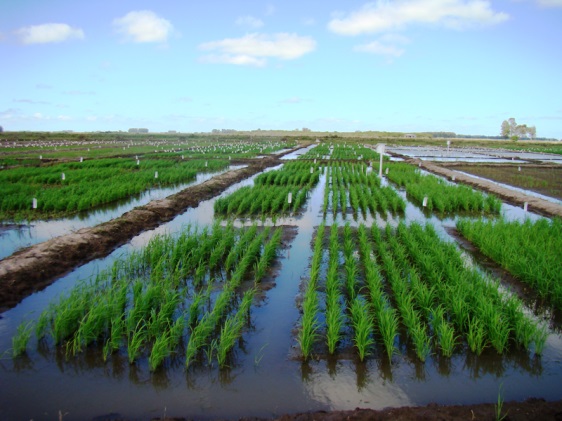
[32, 269]
[530, 410]
[535, 204]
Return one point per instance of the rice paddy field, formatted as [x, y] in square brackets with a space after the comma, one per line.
[324, 282]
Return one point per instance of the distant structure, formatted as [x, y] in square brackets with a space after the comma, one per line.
[172, 131]
[410, 136]
[1, 129]
[223, 131]
[134, 130]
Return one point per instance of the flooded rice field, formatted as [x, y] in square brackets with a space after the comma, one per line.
[266, 374]
[16, 236]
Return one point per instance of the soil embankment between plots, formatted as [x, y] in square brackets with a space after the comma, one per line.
[33, 268]
[534, 204]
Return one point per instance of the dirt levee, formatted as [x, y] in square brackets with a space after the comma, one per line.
[33, 268]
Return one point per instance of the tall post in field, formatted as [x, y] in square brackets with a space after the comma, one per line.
[380, 150]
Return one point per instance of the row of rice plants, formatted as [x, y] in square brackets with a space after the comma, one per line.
[352, 183]
[308, 331]
[274, 192]
[151, 304]
[470, 302]
[339, 151]
[89, 184]
[438, 195]
[529, 250]
[407, 283]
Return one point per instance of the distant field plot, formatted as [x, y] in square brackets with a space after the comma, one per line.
[78, 186]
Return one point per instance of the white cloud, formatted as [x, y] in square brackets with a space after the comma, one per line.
[270, 9]
[48, 33]
[30, 101]
[253, 49]
[387, 45]
[239, 59]
[143, 26]
[64, 117]
[78, 92]
[377, 47]
[385, 16]
[249, 21]
[292, 100]
[550, 3]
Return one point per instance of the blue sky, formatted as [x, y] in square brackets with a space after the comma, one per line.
[393, 65]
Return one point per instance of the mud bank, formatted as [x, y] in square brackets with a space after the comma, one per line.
[32, 269]
[535, 204]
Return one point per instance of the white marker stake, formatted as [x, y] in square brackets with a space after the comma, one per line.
[386, 172]
[34, 203]
[63, 176]
[138, 162]
[424, 201]
[311, 170]
[525, 206]
[206, 162]
[453, 178]
[290, 197]
[40, 156]
[518, 168]
[380, 150]
[81, 159]
[156, 174]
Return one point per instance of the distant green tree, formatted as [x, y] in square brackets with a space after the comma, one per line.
[510, 129]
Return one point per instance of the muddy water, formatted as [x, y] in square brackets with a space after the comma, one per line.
[266, 379]
[15, 237]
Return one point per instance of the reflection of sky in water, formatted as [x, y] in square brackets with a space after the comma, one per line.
[478, 155]
[276, 384]
[39, 231]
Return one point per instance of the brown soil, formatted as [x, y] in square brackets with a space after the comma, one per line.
[537, 205]
[32, 269]
[531, 409]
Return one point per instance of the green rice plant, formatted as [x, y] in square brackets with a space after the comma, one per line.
[362, 321]
[334, 322]
[231, 329]
[308, 333]
[421, 340]
[21, 338]
[476, 336]
[388, 327]
[135, 341]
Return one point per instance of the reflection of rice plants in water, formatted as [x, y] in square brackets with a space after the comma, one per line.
[274, 192]
[529, 250]
[406, 282]
[158, 300]
[437, 195]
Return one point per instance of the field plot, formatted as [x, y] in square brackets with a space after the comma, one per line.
[436, 194]
[543, 180]
[359, 187]
[315, 285]
[274, 193]
[530, 251]
[68, 188]
[389, 279]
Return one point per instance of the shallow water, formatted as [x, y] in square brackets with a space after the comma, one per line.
[265, 380]
[476, 155]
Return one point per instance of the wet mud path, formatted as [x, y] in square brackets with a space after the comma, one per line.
[34, 268]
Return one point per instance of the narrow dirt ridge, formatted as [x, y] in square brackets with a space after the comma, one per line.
[34, 268]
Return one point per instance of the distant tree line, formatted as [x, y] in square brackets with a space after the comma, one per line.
[511, 130]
